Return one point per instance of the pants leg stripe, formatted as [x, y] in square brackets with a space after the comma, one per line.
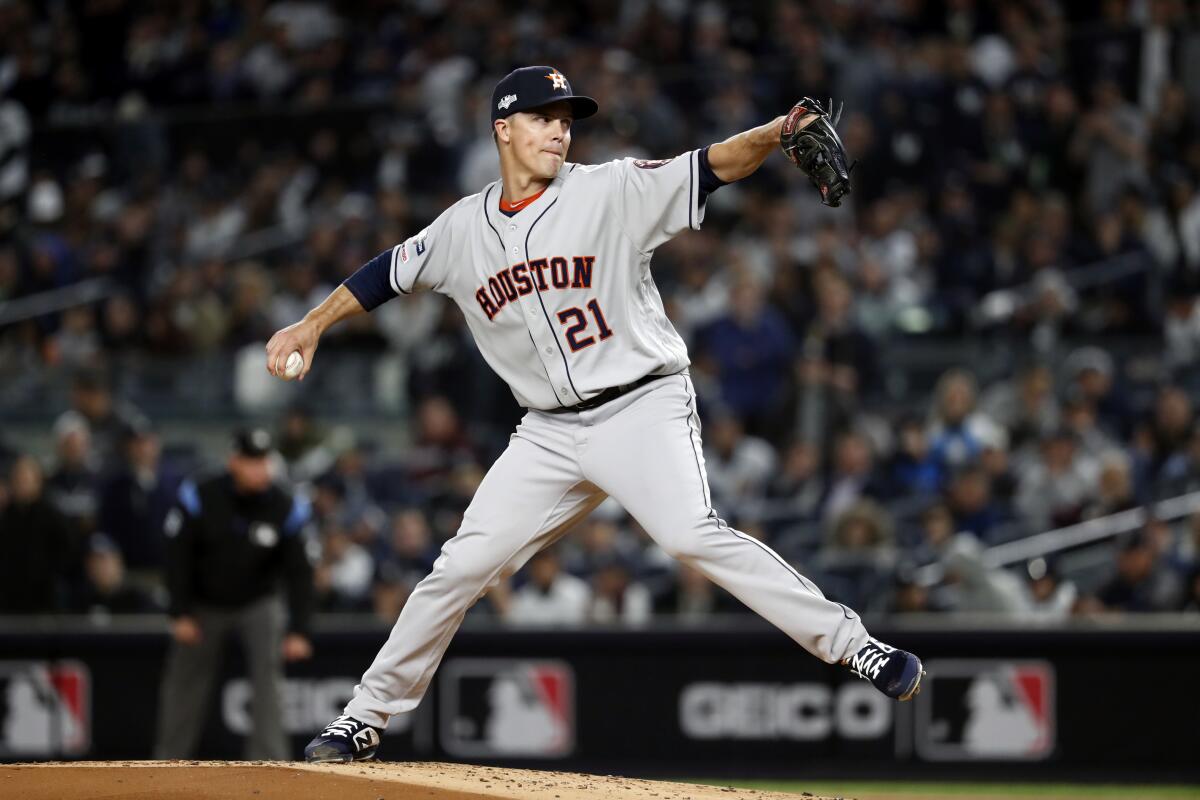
[721, 524]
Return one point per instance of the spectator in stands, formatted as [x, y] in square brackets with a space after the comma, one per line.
[441, 444]
[692, 598]
[909, 596]
[1025, 407]
[617, 597]
[974, 510]
[549, 596]
[303, 445]
[958, 432]
[1141, 583]
[836, 363]
[1054, 490]
[852, 476]
[410, 550]
[74, 485]
[389, 593]
[1048, 595]
[134, 503]
[343, 577]
[913, 471]
[1092, 378]
[1111, 143]
[1114, 487]
[106, 590]
[1080, 418]
[738, 465]
[859, 555]
[350, 468]
[601, 540]
[934, 534]
[798, 487]
[973, 587]
[751, 347]
[34, 538]
[1164, 437]
[106, 421]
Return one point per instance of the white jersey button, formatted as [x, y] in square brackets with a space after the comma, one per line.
[512, 227]
[516, 251]
[549, 351]
[562, 389]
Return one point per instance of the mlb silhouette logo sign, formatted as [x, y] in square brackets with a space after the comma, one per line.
[45, 708]
[507, 708]
[986, 711]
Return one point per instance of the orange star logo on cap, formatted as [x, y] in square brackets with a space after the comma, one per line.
[558, 80]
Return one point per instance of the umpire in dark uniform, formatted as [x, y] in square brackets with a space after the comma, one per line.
[232, 540]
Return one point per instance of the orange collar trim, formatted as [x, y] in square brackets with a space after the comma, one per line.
[517, 206]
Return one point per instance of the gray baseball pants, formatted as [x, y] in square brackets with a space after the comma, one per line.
[643, 449]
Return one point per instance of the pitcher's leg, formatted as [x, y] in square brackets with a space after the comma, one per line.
[649, 458]
[529, 497]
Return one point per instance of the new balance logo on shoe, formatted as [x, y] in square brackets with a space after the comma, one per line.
[344, 739]
[366, 738]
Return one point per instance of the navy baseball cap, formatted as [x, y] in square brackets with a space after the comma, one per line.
[530, 87]
[253, 443]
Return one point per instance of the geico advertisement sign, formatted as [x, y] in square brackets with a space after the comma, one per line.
[807, 711]
[308, 705]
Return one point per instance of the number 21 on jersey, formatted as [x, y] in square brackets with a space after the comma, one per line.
[576, 322]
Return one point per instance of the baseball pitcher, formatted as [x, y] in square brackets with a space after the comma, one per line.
[551, 268]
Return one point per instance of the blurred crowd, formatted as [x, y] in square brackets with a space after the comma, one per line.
[1027, 176]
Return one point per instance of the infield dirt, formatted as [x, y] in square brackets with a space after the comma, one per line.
[262, 780]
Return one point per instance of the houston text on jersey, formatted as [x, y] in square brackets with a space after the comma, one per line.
[521, 279]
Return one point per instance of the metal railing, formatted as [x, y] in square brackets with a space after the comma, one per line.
[1081, 534]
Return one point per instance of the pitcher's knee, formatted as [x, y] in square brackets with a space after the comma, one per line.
[468, 569]
[688, 540]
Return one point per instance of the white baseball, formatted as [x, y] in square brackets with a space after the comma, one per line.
[294, 365]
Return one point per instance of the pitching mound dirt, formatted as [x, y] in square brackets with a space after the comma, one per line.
[263, 780]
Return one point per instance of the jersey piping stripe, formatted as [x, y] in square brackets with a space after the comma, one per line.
[545, 314]
[549, 380]
[721, 524]
[691, 187]
[486, 198]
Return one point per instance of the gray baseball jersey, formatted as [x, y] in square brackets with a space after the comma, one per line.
[559, 297]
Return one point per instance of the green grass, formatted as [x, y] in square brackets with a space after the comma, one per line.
[866, 791]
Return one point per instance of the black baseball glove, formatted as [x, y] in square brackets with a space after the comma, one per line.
[816, 149]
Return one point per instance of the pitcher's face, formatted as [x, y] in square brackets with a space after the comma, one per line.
[539, 139]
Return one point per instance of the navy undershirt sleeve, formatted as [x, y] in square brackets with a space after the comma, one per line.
[370, 284]
[709, 182]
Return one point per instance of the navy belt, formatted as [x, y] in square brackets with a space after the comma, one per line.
[611, 393]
